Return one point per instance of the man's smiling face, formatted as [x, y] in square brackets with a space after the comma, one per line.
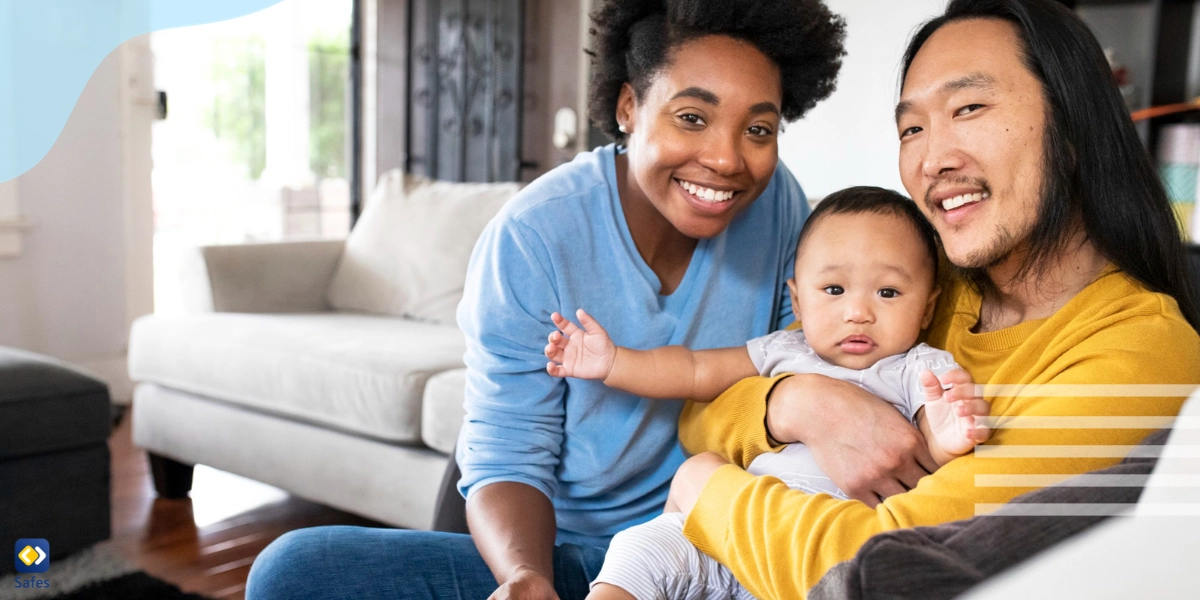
[971, 121]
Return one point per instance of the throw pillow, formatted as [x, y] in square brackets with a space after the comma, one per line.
[407, 255]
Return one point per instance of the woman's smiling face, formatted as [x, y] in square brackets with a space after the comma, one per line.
[703, 140]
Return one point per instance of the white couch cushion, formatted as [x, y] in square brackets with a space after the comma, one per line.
[442, 410]
[359, 373]
[408, 253]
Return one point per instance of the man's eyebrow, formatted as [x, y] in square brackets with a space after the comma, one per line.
[977, 81]
[972, 81]
[700, 94]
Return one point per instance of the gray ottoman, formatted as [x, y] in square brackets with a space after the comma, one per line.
[54, 460]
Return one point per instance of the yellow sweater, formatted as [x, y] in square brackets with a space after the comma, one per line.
[779, 542]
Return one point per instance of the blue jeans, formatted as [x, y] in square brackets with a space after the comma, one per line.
[365, 563]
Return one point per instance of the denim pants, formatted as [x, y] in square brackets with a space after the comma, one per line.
[365, 563]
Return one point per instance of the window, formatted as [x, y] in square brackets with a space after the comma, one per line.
[256, 144]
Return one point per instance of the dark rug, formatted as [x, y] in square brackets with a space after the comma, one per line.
[134, 586]
[97, 573]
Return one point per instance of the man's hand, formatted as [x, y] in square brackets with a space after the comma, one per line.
[525, 584]
[954, 416]
[690, 480]
[861, 442]
[583, 352]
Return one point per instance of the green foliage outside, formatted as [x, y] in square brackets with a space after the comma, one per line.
[239, 103]
[238, 114]
[328, 63]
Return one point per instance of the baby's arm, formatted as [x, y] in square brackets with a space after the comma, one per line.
[952, 419]
[667, 372]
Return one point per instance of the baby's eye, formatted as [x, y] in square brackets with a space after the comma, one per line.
[834, 290]
[888, 293]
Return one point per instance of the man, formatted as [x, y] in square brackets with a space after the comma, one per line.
[1016, 146]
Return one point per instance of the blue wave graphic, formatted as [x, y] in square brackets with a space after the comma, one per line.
[50, 48]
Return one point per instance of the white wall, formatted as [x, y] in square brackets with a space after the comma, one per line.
[82, 273]
[850, 138]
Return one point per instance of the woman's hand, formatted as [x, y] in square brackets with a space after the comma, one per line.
[525, 585]
[861, 442]
[586, 353]
[690, 480]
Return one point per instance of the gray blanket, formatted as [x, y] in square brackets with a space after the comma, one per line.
[945, 561]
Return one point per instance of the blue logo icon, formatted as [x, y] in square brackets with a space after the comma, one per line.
[32, 555]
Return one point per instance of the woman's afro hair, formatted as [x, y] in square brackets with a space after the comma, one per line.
[632, 41]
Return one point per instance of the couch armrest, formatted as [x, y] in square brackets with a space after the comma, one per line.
[284, 277]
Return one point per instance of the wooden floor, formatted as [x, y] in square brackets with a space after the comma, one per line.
[207, 543]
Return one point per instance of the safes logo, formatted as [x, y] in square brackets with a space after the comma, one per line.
[32, 555]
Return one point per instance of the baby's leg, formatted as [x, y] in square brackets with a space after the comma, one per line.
[654, 561]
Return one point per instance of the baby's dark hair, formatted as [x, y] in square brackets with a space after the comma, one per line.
[868, 199]
[632, 41]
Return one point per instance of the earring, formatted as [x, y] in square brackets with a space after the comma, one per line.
[621, 128]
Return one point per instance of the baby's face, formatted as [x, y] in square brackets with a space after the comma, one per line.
[863, 288]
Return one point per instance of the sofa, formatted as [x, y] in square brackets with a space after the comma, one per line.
[330, 369]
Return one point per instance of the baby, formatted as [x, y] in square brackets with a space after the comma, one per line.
[865, 285]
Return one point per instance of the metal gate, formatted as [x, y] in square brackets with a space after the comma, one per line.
[464, 115]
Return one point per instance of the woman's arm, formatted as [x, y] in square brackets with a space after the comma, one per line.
[514, 527]
[510, 444]
[586, 351]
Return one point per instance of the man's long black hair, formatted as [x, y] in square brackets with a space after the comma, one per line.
[1096, 167]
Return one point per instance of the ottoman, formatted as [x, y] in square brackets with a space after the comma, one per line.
[54, 460]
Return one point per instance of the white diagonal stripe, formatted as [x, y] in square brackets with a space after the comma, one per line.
[1052, 510]
[1099, 480]
[1088, 510]
[1086, 390]
[1080, 451]
[1100, 422]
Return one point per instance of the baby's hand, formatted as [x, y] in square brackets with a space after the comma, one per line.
[586, 353]
[955, 416]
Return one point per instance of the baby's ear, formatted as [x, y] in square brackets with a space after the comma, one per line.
[930, 306]
[791, 283]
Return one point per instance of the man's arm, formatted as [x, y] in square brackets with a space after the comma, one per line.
[513, 527]
[861, 442]
[780, 542]
[587, 352]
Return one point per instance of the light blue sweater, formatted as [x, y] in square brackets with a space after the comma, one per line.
[605, 458]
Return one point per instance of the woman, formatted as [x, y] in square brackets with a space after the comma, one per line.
[682, 233]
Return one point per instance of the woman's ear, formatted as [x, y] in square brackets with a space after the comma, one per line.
[626, 103]
[930, 306]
